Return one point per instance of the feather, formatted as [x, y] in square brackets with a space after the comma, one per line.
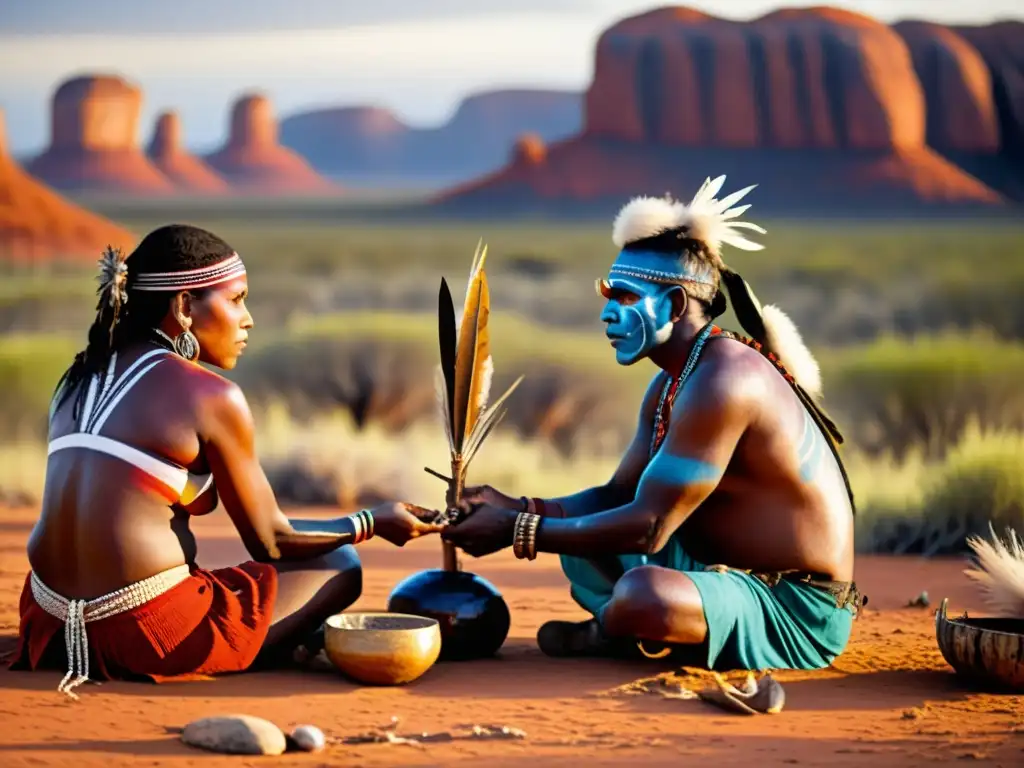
[472, 355]
[441, 388]
[783, 338]
[488, 421]
[1000, 572]
[484, 392]
[447, 338]
[644, 217]
[711, 220]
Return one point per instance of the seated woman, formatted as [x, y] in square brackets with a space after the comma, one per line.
[141, 438]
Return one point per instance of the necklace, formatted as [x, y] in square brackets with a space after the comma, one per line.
[672, 387]
[165, 337]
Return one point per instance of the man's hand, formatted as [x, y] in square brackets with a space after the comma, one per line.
[486, 530]
[485, 494]
[399, 523]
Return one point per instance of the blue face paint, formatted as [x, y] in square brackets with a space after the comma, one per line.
[636, 327]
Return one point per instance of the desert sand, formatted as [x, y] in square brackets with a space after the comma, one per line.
[890, 700]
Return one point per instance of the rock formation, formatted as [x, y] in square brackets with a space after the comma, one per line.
[372, 142]
[822, 107]
[1001, 45]
[529, 150]
[793, 78]
[37, 224]
[187, 172]
[960, 106]
[93, 143]
[253, 160]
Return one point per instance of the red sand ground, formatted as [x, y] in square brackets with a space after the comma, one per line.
[889, 701]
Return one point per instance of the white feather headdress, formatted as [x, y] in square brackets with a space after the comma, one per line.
[715, 223]
[709, 220]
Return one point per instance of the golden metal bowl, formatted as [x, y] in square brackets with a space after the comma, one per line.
[382, 648]
[986, 652]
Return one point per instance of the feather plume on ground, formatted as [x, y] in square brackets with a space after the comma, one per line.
[1000, 572]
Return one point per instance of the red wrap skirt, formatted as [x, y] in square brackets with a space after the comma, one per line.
[213, 622]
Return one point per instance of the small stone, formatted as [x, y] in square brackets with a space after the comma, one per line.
[235, 735]
[308, 738]
[921, 601]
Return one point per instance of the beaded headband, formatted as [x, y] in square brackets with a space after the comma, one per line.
[203, 277]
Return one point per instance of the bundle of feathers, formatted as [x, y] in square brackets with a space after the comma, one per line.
[715, 223]
[1000, 572]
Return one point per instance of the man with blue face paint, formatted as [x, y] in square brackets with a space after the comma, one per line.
[727, 530]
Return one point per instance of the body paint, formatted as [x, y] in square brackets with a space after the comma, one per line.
[668, 469]
[637, 328]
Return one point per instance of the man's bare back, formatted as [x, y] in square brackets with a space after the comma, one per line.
[782, 503]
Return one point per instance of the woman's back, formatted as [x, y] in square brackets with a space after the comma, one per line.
[124, 450]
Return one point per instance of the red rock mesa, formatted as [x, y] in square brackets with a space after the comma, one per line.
[187, 172]
[821, 107]
[37, 224]
[254, 161]
[93, 143]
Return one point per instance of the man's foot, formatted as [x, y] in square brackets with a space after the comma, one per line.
[563, 639]
[310, 654]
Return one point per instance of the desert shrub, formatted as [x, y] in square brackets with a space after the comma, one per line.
[389, 383]
[381, 367]
[933, 507]
[896, 394]
[30, 367]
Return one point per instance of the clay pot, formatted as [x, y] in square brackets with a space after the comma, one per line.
[986, 652]
[473, 616]
[382, 648]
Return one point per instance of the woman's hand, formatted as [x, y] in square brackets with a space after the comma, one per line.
[485, 494]
[484, 531]
[398, 522]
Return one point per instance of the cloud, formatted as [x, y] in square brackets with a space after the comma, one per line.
[241, 16]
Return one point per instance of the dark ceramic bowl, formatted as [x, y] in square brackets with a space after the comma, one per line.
[473, 616]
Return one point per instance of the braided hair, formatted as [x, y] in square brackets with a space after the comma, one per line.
[124, 315]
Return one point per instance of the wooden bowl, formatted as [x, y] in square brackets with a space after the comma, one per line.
[382, 648]
[988, 653]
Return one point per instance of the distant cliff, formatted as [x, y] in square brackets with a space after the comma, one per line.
[372, 142]
[826, 109]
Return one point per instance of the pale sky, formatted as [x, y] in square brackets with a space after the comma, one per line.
[416, 57]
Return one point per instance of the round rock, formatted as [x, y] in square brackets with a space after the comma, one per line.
[308, 738]
[235, 735]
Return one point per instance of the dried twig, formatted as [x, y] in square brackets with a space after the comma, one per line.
[387, 735]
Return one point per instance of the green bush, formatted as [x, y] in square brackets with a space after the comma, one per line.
[30, 367]
[898, 394]
[931, 508]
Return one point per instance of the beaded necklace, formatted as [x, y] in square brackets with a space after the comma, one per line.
[670, 391]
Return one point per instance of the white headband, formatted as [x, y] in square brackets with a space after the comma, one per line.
[228, 269]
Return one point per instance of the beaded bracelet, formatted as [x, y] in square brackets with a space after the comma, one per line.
[524, 536]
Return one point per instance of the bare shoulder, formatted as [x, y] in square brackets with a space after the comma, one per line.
[216, 401]
[734, 374]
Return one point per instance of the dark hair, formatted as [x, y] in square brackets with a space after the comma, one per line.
[122, 318]
[677, 242]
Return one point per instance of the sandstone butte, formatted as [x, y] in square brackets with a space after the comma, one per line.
[37, 224]
[821, 107]
[254, 161]
[94, 144]
[187, 172]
